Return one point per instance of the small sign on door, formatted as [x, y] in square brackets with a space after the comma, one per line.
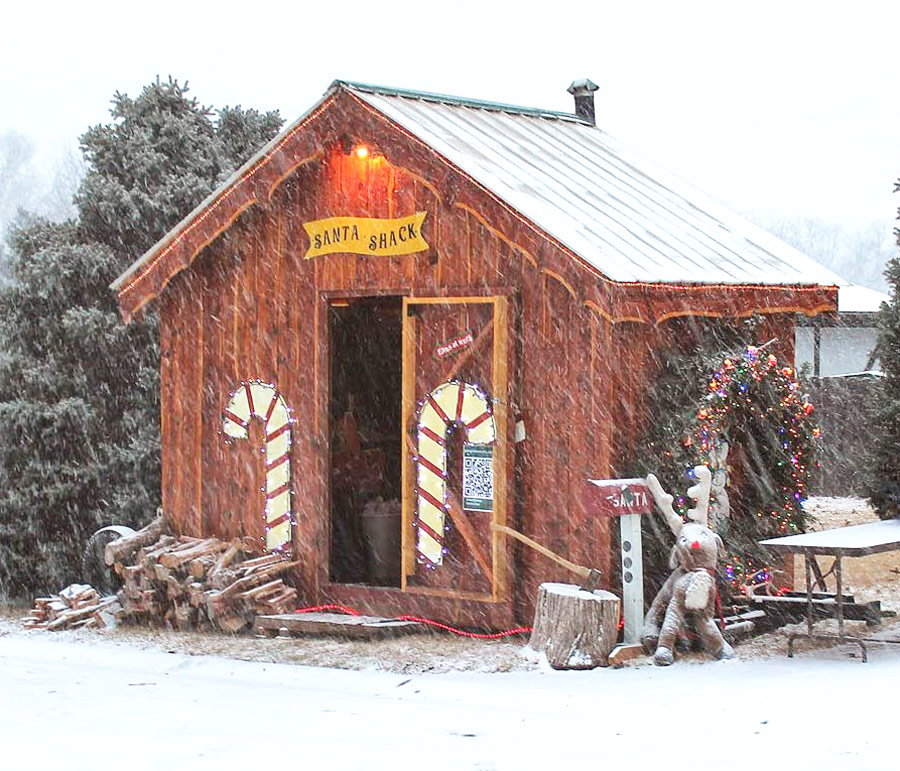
[478, 477]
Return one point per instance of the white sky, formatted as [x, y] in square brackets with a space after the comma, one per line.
[779, 109]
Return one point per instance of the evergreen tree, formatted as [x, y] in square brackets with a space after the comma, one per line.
[79, 389]
[76, 396]
[884, 480]
[710, 388]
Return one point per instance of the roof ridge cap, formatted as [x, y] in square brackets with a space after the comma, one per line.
[457, 101]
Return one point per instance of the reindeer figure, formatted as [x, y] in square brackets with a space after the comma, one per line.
[690, 592]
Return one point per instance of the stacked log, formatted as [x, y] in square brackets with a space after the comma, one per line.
[190, 583]
[76, 606]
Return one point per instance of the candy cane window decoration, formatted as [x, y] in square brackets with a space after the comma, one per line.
[452, 403]
[259, 400]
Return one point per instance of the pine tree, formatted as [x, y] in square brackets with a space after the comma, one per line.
[78, 388]
[884, 480]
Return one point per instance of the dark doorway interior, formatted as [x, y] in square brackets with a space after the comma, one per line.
[366, 383]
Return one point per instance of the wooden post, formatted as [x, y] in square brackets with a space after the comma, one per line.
[574, 628]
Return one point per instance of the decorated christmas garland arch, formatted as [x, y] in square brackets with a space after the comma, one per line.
[451, 403]
[254, 399]
[752, 401]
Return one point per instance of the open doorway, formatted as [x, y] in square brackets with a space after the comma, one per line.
[365, 417]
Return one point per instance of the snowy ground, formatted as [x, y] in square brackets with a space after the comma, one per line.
[147, 700]
[75, 706]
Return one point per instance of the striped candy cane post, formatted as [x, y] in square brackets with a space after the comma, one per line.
[451, 403]
[259, 400]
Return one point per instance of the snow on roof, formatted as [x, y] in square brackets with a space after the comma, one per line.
[623, 215]
[853, 298]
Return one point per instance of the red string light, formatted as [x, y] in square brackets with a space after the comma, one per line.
[462, 632]
[421, 620]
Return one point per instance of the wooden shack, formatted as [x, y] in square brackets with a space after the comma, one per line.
[411, 316]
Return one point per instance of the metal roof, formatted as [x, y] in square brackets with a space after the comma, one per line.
[853, 298]
[623, 215]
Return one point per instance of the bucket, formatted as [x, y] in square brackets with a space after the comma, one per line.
[380, 522]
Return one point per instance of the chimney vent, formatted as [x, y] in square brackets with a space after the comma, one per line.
[583, 91]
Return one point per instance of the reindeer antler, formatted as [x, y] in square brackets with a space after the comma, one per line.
[700, 493]
[664, 503]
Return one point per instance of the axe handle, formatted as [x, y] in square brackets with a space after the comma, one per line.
[579, 570]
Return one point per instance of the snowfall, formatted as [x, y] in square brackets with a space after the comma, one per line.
[86, 699]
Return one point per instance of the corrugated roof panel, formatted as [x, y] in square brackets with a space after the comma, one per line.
[623, 215]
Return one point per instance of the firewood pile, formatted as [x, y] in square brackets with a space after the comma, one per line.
[76, 606]
[189, 583]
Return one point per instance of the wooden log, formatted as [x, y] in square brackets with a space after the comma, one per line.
[195, 594]
[55, 608]
[75, 593]
[132, 572]
[123, 548]
[200, 566]
[149, 555]
[258, 563]
[574, 628]
[224, 559]
[147, 582]
[107, 615]
[222, 578]
[186, 541]
[172, 559]
[215, 604]
[174, 589]
[70, 616]
[279, 604]
[185, 617]
[232, 623]
[255, 579]
[265, 590]
[161, 572]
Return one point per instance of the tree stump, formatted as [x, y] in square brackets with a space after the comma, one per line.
[574, 628]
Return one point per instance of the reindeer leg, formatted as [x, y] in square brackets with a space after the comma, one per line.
[655, 615]
[713, 641]
[669, 633]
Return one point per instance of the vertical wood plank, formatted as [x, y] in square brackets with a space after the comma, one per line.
[408, 401]
[501, 453]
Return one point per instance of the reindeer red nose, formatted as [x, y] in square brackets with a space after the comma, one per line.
[695, 545]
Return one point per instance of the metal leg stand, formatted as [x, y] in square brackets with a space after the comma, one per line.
[840, 637]
[840, 610]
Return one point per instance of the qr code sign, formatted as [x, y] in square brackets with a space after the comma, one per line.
[478, 477]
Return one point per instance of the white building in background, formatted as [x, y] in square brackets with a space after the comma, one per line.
[842, 343]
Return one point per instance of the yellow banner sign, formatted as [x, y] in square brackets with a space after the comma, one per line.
[365, 235]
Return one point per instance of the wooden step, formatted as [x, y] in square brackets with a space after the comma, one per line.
[793, 606]
[334, 625]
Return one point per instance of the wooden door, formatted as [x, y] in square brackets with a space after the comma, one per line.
[457, 448]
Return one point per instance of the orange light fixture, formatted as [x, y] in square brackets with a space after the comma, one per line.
[362, 151]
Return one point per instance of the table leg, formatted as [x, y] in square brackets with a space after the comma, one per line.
[809, 606]
[840, 609]
[840, 595]
[809, 603]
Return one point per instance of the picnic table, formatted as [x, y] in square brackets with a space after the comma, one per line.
[839, 542]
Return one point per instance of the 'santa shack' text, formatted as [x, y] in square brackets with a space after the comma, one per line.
[366, 235]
